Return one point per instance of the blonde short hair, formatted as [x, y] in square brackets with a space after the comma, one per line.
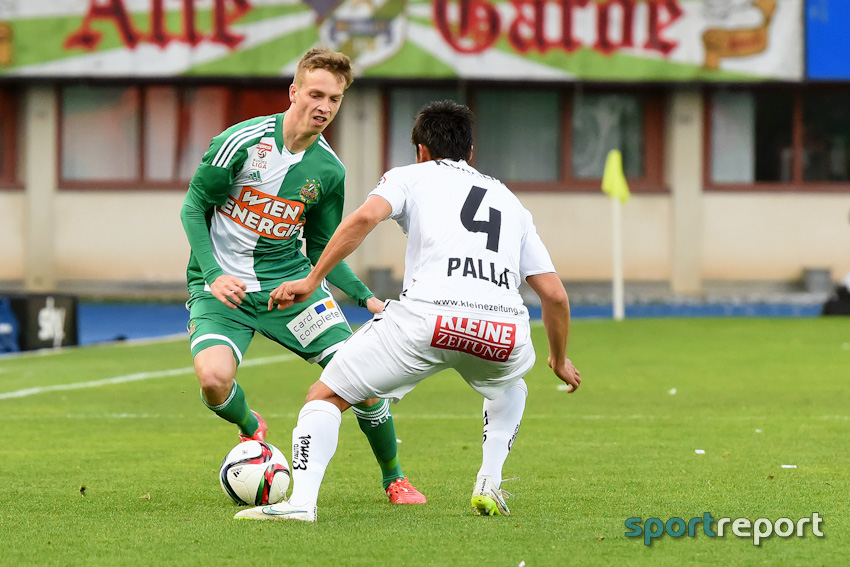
[321, 58]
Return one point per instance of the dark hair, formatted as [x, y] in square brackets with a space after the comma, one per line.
[445, 128]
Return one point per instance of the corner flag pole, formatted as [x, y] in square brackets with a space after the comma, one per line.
[618, 286]
[614, 184]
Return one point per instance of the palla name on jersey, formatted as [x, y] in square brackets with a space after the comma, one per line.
[471, 271]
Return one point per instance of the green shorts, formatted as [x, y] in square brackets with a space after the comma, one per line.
[313, 330]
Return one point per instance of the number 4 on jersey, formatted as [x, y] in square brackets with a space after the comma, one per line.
[491, 226]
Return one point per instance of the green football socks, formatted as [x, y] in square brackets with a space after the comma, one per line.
[235, 410]
[377, 423]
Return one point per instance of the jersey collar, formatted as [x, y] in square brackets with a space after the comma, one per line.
[278, 131]
[460, 163]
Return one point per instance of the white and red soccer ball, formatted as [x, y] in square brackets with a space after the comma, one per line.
[255, 473]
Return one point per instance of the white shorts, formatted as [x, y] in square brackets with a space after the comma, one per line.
[388, 356]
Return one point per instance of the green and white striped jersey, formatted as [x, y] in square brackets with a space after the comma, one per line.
[250, 201]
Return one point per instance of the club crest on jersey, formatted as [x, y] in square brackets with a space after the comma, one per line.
[310, 191]
[490, 340]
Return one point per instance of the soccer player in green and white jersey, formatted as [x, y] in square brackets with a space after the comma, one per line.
[261, 184]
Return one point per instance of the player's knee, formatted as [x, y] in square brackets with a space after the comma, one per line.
[214, 375]
[216, 393]
[320, 391]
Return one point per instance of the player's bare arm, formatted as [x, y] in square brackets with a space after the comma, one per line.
[230, 290]
[374, 305]
[555, 307]
[345, 240]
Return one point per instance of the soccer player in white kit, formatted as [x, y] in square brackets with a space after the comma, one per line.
[470, 245]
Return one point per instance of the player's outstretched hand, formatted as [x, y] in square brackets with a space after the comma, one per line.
[566, 371]
[230, 290]
[374, 305]
[288, 293]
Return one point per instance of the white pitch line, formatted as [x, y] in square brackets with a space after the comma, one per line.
[137, 376]
[131, 378]
[117, 343]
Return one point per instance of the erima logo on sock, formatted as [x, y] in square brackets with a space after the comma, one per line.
[513, 437]
[301, 453]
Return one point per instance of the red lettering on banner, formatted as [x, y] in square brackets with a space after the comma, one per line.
[116, 12]
[222, 20]
[526, 31]
[656, 26]
[604, 43]
[568, 42]
[158, 34]
[475, 25]
[490, 340]
[113, 10]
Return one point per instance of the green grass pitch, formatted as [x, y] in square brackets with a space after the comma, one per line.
[753, 394]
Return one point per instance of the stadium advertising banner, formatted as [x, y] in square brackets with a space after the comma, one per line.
[828, 40]
[561, 40]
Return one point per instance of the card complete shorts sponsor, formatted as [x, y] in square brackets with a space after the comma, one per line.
[490, 340]
[315, 320]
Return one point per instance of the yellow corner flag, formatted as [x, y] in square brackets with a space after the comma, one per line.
[613, 179]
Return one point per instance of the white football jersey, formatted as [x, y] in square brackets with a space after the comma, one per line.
[470, 242]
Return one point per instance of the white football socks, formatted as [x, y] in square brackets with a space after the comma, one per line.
[314, 442]
[502, 418]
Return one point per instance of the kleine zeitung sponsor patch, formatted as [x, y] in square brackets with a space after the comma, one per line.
[490, 340]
